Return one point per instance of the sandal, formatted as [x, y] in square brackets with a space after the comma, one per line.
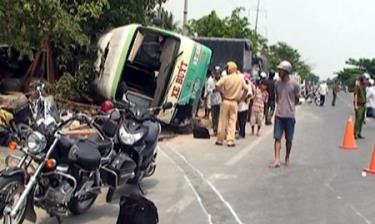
[219, 143]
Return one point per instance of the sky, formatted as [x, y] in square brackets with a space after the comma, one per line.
[325, 32]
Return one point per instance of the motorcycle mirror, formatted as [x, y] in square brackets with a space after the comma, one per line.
[167, 105]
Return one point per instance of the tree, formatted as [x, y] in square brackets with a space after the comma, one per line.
[167, 20]
[282, 51]
[238, 26]
[364, 65]
[25, 24]
[356, 67]
[207, 26]
[72, 27]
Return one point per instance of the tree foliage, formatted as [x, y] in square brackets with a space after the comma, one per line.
[25, 23]
[211, 25]
[238, 26]
[167, 20]
[72, 28]
[355, 68]
[282, 51]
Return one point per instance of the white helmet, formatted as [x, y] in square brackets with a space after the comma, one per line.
[263, 75]
[372, 82]
[286, 66]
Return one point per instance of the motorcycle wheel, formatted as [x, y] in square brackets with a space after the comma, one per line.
[11, 189]
[151, 169]
[79, 206]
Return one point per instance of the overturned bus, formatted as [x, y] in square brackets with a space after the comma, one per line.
[157, 66]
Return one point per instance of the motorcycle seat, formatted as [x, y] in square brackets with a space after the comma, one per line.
[87, 155]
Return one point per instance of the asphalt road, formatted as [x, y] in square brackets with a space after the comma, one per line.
[197, 182]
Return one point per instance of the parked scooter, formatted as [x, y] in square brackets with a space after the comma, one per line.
[137, 138]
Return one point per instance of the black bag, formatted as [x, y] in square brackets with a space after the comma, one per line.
[135, 209]
[200, 132]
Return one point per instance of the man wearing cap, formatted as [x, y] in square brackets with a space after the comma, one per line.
[287, 97]
[359, 106]
[233, 89]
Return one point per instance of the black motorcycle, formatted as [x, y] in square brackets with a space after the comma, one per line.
[70, 171]
[138, 132]
[57, 173]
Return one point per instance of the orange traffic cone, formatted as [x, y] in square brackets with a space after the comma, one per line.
[371, 167]
[349, 141]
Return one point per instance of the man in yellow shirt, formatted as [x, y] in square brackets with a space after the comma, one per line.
[234, 89]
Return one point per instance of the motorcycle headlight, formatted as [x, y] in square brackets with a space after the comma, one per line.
[36, 142]
[129, 138]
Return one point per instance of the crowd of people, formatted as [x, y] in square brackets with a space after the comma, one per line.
[233, 99]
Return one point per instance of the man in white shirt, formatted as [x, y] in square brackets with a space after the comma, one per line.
[371, 99]
[323, 91]
[215, 98]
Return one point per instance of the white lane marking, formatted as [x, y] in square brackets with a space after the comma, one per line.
[360, 215]
[338, 197]
[241, 154]
[199, 199]
[226, 203]
[220, 176]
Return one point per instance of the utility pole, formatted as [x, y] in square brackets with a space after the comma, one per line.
[185, 17]
[257, 17]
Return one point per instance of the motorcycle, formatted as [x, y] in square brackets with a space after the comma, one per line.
[70, 172]
[39, 109]
[66, 177]
[137, 137]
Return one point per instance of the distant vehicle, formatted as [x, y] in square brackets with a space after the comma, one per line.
[229, 49]
[157, 66]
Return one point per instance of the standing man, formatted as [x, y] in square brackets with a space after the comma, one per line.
[215, 98]
[270, 108]
[234, 90]
[323, 91]
[335, 90]
[287, 97]
[359, 106]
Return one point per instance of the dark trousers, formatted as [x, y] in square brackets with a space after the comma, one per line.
[322, 100]
[242, 118]
[359, 119]
[250, 110]
[334, 99]
[215, 114]
[270, 110]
